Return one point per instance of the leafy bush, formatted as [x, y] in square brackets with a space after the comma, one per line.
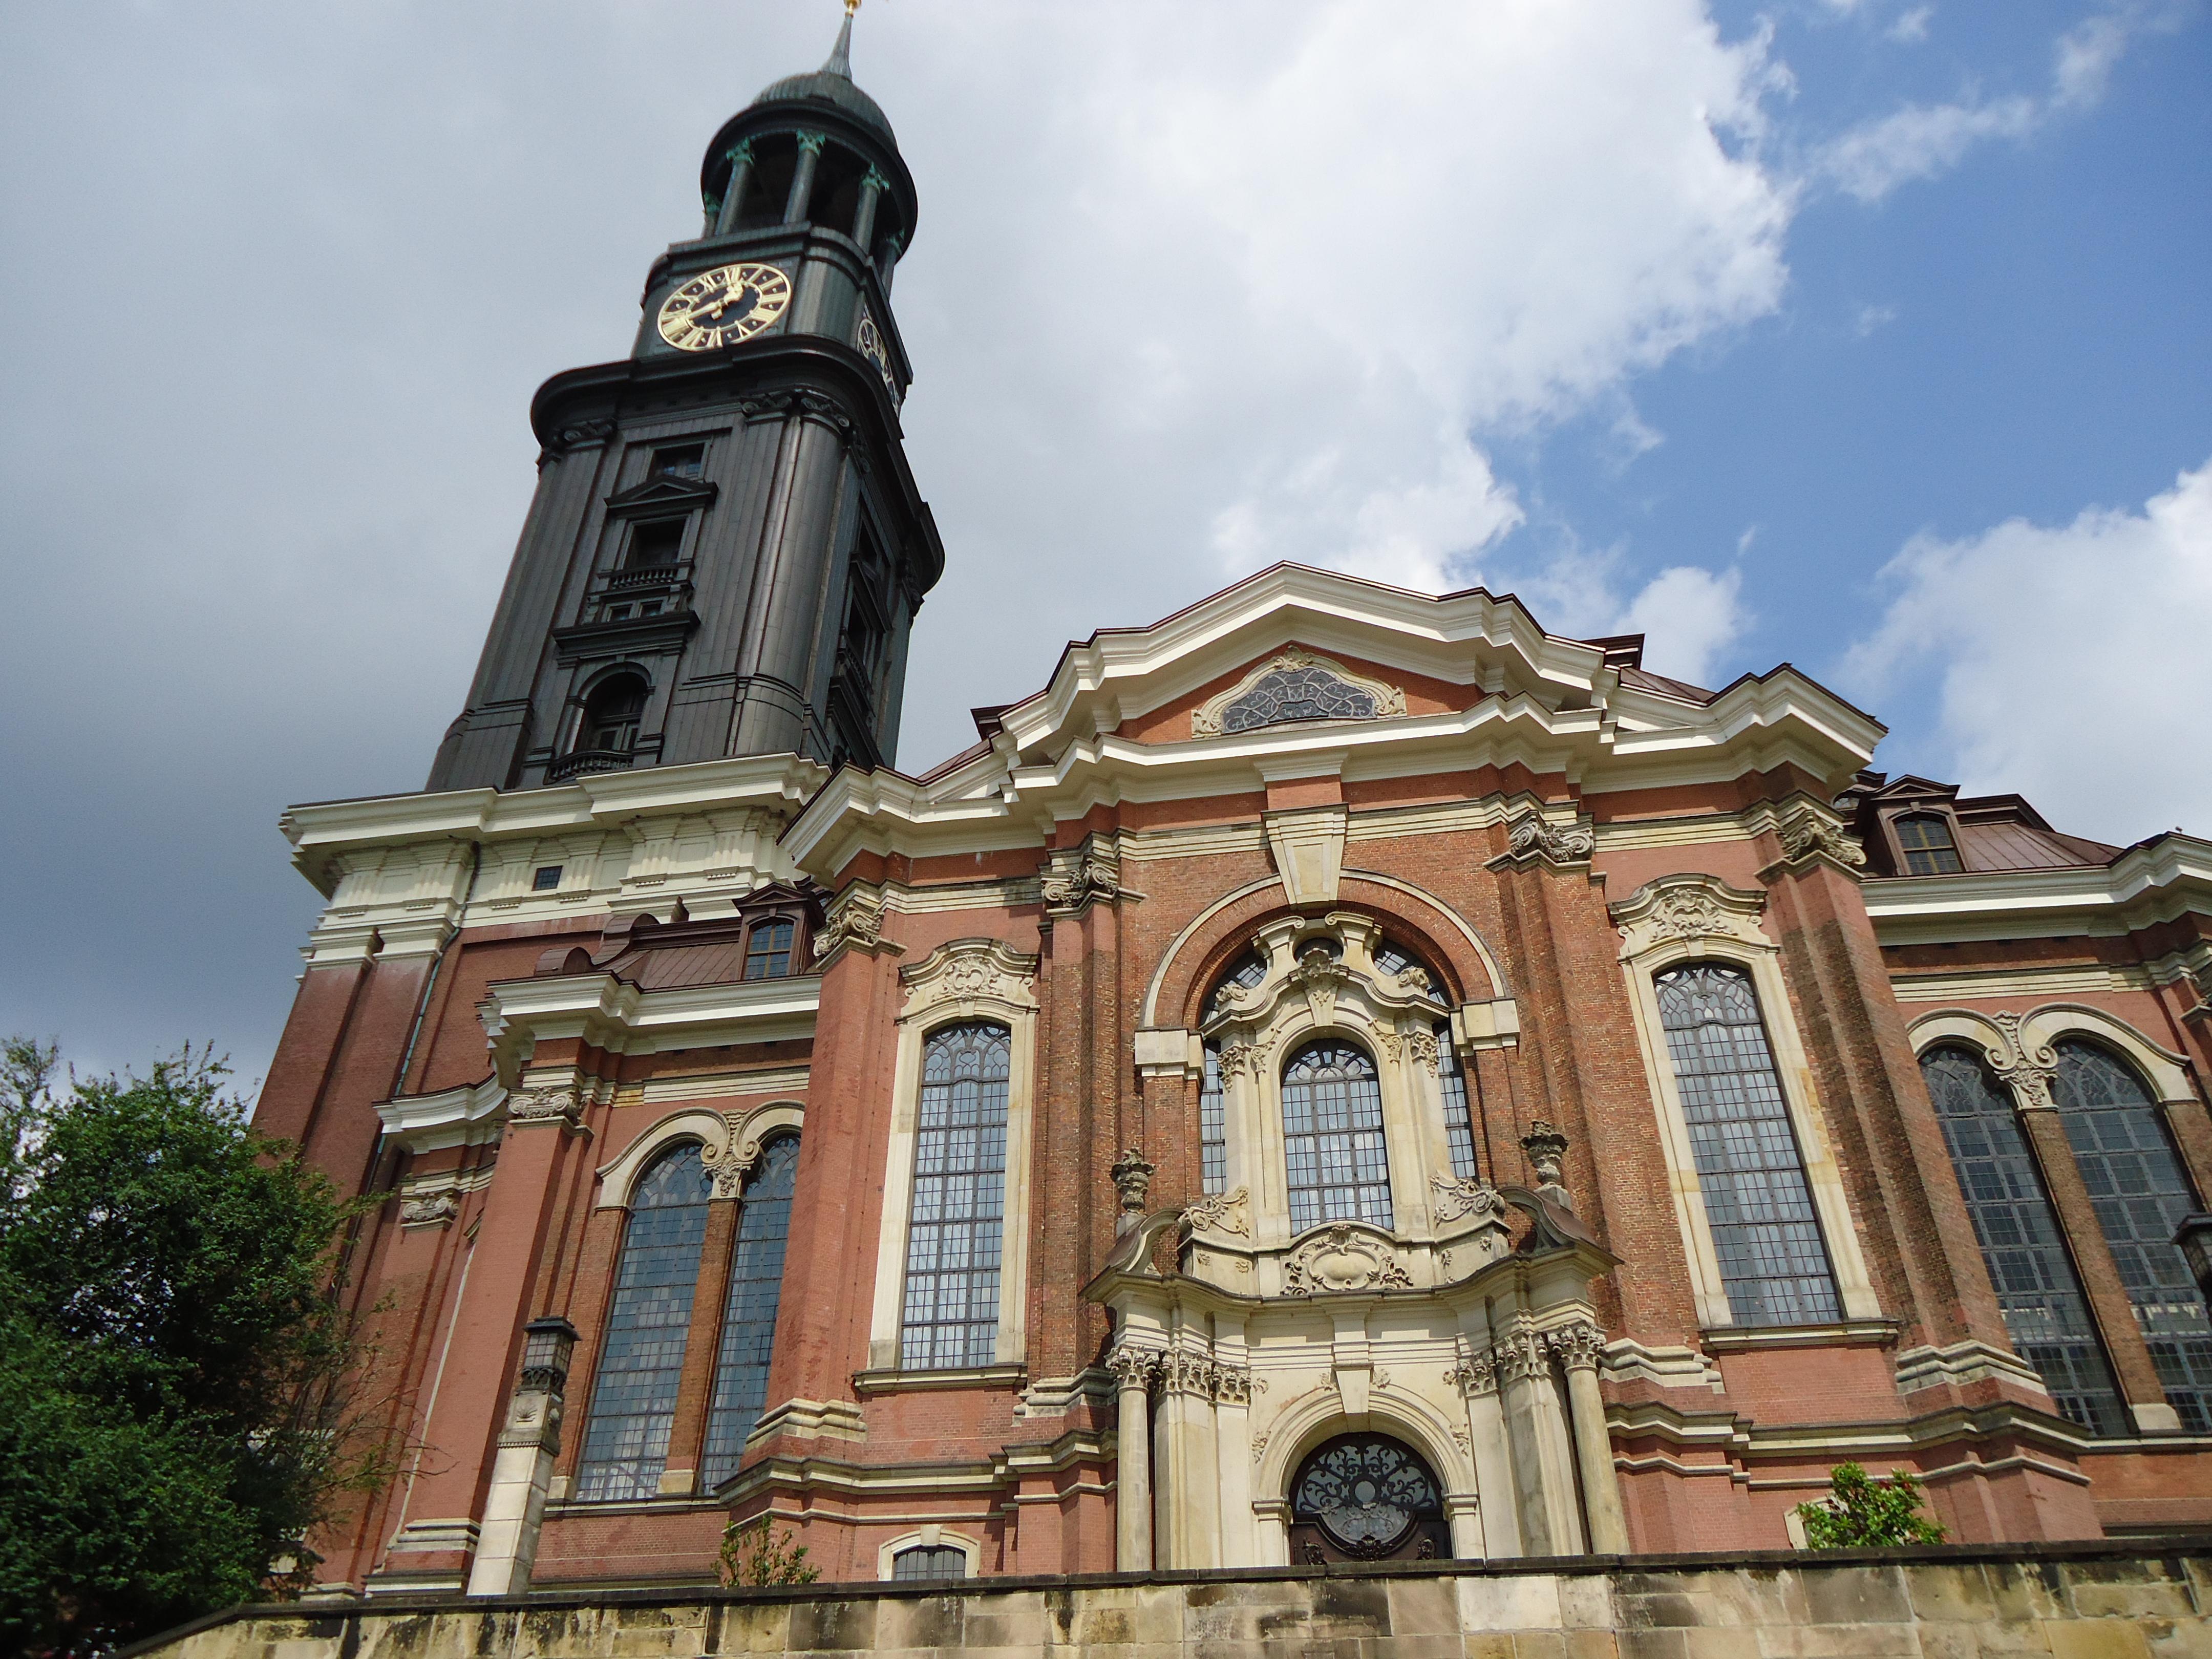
[1863, 1513]
[755, 1553]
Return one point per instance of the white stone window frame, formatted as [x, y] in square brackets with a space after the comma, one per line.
[1389, 700]
[930, 1537]
[1275, 1019]
[959, 983]
[729, 1143]
[1689, 918]
[2010, 1042]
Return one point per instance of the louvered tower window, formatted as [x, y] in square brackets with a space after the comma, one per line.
[634, 1396]
[2141, 1194]
[1774, 1263]
[2040, 1294]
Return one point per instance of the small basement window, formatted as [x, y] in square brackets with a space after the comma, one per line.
[1925, 838]
[547, 879]
[931, 1561]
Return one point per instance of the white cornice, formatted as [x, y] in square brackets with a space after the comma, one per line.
[617, 1016]
[2153, 883]
[321, 832]
[466, 1116]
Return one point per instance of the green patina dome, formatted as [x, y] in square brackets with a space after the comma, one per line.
[832, 83]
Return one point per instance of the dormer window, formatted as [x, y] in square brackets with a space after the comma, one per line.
[767, 950]
[1925, 840]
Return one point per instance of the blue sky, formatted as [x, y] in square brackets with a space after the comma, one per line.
[1872, 336]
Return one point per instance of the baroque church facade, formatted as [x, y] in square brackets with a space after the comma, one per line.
[1337, 1074]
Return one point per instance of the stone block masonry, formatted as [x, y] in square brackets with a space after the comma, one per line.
[2110, 1600]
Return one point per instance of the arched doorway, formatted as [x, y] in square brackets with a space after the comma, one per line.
[1367, 1498]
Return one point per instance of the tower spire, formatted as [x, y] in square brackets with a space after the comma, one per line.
[841, 56]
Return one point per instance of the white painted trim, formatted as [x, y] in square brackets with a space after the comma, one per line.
[2165, 1071]
[618, 1177]
[1738, 938]
[616, 1016]
[963, 981]
[469, 1115]
[931, 1536]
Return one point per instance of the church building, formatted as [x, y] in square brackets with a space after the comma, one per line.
[1336, 1074]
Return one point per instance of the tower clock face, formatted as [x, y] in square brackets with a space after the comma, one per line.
[724, 305]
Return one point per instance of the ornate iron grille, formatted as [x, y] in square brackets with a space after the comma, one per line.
[1297, 693]
[1367, 1493]
[1774, 1264]
[749, 1310]
[634, 1400]
[1332, 1138]
[954, 1233]
[2040, 1294]
[2141, 1194]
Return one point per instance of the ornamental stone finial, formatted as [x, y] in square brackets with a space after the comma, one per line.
[1546, 1149]
[1132, 1175]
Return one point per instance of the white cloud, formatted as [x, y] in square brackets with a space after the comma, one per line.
[1911, 27]
[1688, 617]
[1311, 268]
[2071, 661]
[1872, 317]
[1923, 140]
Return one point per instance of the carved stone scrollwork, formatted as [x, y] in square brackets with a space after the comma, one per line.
[1577, 1346]
[1321, 976]
[1546, 1149]
[1237, 1058]
[1295, 684]
[430, 1209]
[1522, 1356]
[576, 436]
[1690, 906]
[1132, 1175]
[1458, 1196]
[1133, 1368]
[1185, 1372]
[855, 919]
[1221, 1212]
[544, 1106]
[1232, 1385]
[1479, 1374]
[1533, 837]
[731, 1166]
[1808, 834]
[2034, 1068]
[1082, 876]
[1347, 1257]
[1421, 1049]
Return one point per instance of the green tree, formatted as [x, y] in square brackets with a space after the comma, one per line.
[177, 1407]
[1863, 1513]
[755, 1553]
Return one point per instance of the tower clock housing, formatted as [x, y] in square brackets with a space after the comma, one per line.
[726, 548]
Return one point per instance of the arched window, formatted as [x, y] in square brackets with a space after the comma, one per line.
[1309, 693]
[2040, 1294]
[954, 1229]
[633, 1395]
[1332, 1138]
[1929, 848]
[767, 950]
[1774, 1264]
[1249, 971]
[749, 1310]
[1366, 1497]
[611, 713]
[2141, 1194]
[1459, 1119]
[1392, 960]
[930, 1561]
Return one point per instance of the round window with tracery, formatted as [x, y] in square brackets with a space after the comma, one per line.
[1365, 1496]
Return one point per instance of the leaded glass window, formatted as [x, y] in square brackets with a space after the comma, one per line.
[1459, 1121]
[1929, 848]
[1332, 1138]
[931, 1561]
[749, 1310]
[1310, 693]
[1774, 1263]
[954, 1232]
[2038, 1292]
[1213, 1134]
[1369, 1496]
[1245, 975]
[2141, 1194]
[1392, 960]
[634, 1399]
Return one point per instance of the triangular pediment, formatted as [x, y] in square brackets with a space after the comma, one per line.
[662, 494]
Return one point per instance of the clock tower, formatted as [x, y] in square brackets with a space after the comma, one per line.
[726, 548]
